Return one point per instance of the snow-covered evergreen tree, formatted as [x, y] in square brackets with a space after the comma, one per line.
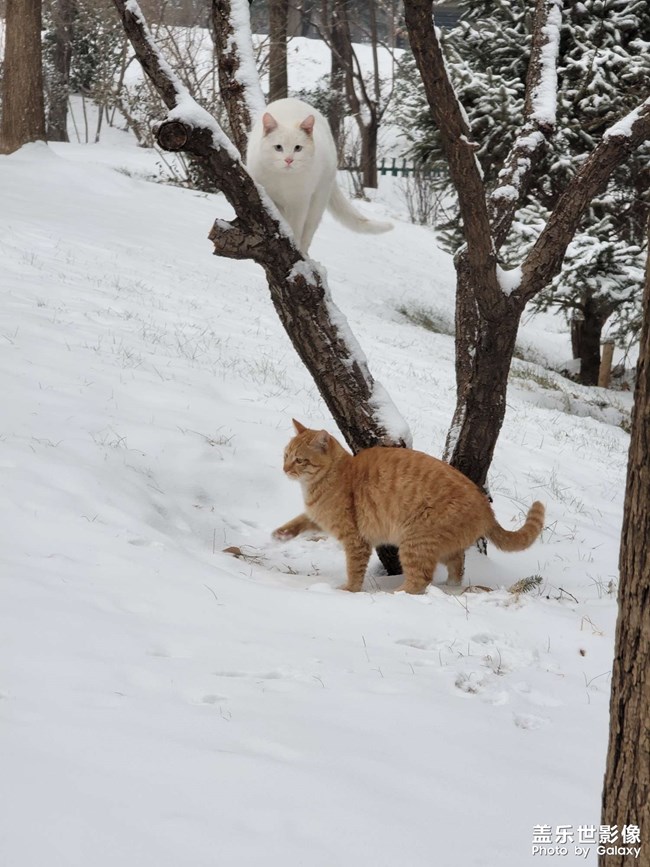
[604, 69]
[604, 72]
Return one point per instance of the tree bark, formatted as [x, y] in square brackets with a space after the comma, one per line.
[457, 142]
[23, 108]
[278, 31]
[484, 350]
[626, 794]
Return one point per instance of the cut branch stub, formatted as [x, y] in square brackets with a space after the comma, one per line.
[172, 135]
[232, 240]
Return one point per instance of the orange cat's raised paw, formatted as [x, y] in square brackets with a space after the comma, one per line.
[293, 528]
[284, 533]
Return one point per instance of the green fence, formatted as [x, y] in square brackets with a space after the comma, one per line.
[391, 167]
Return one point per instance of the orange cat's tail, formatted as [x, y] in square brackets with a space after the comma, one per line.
[517, 540]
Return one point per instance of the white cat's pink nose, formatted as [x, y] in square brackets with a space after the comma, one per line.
[288, 160]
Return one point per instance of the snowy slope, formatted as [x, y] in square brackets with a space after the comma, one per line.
[163, 703]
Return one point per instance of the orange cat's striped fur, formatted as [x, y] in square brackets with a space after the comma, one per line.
[392, 496]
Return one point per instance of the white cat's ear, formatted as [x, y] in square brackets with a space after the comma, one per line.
[300, 428]
[308, 124]
[269, 123]
[321, 441]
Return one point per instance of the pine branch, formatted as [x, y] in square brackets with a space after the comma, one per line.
[545, 258]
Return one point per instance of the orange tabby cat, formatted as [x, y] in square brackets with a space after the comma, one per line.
[392, 496]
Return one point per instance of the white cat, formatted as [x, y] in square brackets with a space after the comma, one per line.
[291, 153]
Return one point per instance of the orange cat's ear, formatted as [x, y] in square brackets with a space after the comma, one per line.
[300, 428]
[269, 123]
[321, 441]
[308, 124]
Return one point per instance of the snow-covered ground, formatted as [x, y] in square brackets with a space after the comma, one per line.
[163, 703]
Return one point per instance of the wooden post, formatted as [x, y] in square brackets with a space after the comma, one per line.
[605, 372]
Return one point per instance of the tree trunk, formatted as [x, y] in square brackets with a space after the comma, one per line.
[318, 330]
[626, 794]
[306, 12]
[484, 349]
[58, 91]
[336, 113]
[23, 115]
[586, 331]
[294, 18]
[358, 104]
[369, 135]
[590, 334]
[278, 30]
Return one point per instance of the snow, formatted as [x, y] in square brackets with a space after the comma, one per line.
[509, 280]
[544, 96]
[165, 703]
[189, 112]
[246, 73]
[624, 127]
[510, 177]
[507, 192]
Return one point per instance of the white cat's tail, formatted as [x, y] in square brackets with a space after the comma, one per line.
[345, 212]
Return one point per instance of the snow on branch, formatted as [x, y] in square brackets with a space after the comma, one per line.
[539, 120]
[182, 106]
[239, 83]
[624, 128]
[546, 48]
[318, 330]
[545, 258]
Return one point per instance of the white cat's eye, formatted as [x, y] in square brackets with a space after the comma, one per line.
[277, 147]
[298, 148]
